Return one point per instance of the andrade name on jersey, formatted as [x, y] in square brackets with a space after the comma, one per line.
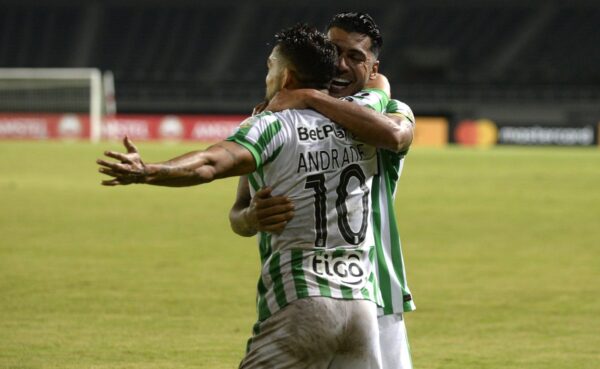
[322, 160]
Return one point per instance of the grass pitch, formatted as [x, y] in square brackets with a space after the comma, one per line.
[502, 247]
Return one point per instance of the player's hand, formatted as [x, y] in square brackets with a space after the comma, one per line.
[130, 168]
[259, 108]
[269, 213]
[288, 99]
[381, 82]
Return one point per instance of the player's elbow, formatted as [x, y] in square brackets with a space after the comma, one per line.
[238, 229]
[205, 174]
[398, 135]
[401, 140]
[401, 133]
[238, 224]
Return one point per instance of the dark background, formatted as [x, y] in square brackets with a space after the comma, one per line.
[511, 61]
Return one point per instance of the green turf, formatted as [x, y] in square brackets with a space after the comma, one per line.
[502, 245]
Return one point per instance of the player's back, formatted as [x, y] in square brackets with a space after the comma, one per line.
[318, 274]
[327, 249]
[327, 175]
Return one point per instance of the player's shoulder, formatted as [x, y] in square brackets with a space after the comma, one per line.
[253, 120]
[398, 107]
[257, 124]
[367, 94]
[296, 116]
[374, 98]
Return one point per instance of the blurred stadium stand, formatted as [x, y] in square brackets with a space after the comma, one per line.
[538, 59]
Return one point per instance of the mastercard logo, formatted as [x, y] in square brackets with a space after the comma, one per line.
[481, 132]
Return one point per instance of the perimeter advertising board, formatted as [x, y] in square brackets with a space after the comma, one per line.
[484, 132]
[204, 128]
[429, 131]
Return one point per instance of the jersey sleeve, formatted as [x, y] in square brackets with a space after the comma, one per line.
[372, 98]
[399, 108]
[395, 107]
[262, 135]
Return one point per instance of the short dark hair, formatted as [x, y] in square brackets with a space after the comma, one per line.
[360, 23]
[312, 56]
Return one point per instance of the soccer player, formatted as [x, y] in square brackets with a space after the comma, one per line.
[317, 294]
[358, 40]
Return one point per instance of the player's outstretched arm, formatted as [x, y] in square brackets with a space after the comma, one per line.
[263, 212]
[224, 159]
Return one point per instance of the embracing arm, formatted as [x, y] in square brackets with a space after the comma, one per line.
[224, 159]
[372, 127]
[262, 212]
[239, 219]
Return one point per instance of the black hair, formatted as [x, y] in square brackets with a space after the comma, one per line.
[312, 57]
[360, 23]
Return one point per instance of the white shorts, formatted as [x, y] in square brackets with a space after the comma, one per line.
[393, 341]
[317, 333]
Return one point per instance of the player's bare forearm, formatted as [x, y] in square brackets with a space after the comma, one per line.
[224, 159]
[240, 221]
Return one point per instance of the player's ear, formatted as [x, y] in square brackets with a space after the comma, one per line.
[374, 70]
[288, 78]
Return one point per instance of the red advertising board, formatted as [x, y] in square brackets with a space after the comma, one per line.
[30, 126]
[206, 128]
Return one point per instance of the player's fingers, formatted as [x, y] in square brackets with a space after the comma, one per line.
[263, 193]
[274, 210]
[276, 219]
[275, 229]
[119, 156]
[259, 108]
[109, 172]
[117, 167]
[111, 182]
[272, 202]
[129, 145]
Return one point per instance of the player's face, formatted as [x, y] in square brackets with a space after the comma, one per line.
[356, 64]
[274, 77]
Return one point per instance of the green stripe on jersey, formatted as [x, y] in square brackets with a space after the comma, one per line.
[392, 106]
[298, 274]
[267, 136]
[264, 246]
[323, 287]
[253, 182]
[241, 140]
[391, 165]
[261, 303]
[275, 272]
[380, 104]
[365, 291]
[346, 292]
[383, 271]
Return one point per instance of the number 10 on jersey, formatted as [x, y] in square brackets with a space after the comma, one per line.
[316, 182]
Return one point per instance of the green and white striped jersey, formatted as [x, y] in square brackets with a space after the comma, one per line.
[327, 249]
[390, 262]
